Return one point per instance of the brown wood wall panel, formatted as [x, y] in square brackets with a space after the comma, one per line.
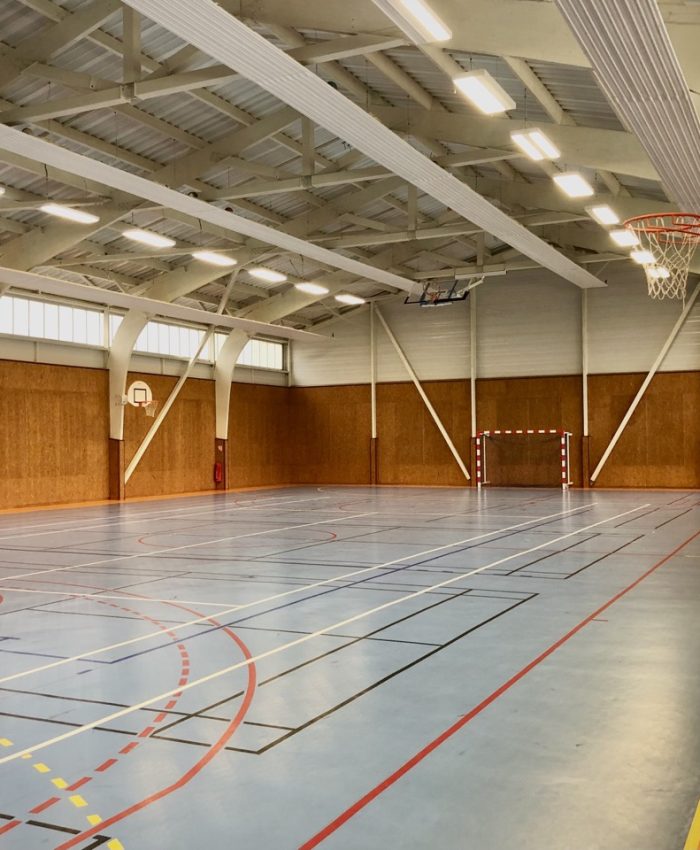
[260, 441]
[329, 441]
[551, 402]
[181, 457]
[53, 434]
[411, 449]
[661, 445]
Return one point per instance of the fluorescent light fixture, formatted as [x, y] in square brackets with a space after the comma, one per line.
[147, 237]
[311, 288]
[70, 214]
[574, 184]
[346, 298]
[659, 273]
[2, 190]
[535, 144]
[484, 92]
[268, 275]
[644, 258]
[416, 19]
[624, 238]
[603, 214]
[214, 259]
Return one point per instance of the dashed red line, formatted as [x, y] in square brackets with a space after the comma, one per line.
[129, 747]
[43, 806]
[105, 765]
[79, 784]
[8, 826]
[149, 730]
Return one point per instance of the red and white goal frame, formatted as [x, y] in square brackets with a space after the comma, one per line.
[564, 446]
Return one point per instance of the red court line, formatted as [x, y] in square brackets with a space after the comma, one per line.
[371, 795]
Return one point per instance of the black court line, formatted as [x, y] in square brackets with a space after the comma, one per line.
[97, 840]
[439, 648]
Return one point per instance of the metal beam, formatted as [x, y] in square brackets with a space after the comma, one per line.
[645, 384]
[208, 26]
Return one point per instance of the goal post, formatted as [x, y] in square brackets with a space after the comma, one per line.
[524, 458]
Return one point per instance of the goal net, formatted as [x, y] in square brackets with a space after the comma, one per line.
[523, 458]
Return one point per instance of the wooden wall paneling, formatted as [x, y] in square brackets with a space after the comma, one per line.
[260, 442]
[661, 445]
[53, 434]
[411, 449]
[331, 435]
[180, 458]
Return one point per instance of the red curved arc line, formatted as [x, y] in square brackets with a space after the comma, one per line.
[418, 757]
[214, 750]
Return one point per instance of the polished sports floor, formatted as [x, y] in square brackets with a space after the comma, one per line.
[351, 668]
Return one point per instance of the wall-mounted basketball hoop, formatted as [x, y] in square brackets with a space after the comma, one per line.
[140, 395]
[434, 296]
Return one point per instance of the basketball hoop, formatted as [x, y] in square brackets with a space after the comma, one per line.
[670, 240]
[149, 407]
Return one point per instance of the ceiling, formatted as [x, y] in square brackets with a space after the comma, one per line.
[101, 80]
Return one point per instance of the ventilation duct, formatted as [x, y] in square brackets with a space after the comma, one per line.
[627, 44]
[207, 26]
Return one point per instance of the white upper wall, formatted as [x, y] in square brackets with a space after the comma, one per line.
[528, 324]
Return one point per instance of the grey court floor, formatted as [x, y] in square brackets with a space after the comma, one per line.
[354, 669]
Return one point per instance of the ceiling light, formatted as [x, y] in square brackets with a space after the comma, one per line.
[213, 258]
[268, 275]
[2, 190]
[535, 144]
[603, 214]
[147, 237]
[573, 184]
[484, 92]
[659, 273]
[624, 238]
[311, 288]
[70, 214]
[346, 298]
[416, 19]
[644, 258]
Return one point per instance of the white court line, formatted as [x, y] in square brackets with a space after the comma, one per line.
[173, 549]
[276, 596]
[119, 521]
[303, 639]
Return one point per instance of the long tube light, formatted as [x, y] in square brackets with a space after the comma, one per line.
[214, 259]
[268, 275]
[534, 144]
[416, 19]
[147, 237]
[311, 288]
[574, 184]
[603, 214]
[69, 213]
[624, 238]
[346, 298]
[480, 88]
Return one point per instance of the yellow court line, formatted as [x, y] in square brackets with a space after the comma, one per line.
[60, 783]
[115, 844]
[5, 742]
[41, 767]
[78, 801]
[93, 820]
[693, 842]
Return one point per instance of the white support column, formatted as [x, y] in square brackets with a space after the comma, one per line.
[472, 359]
[153, 430]
[654, 369]
[584, 359]
[373, 368]
[223, 375]
[421, 392]
[118, 364]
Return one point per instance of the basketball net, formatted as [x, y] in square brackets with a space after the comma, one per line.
[670, 241]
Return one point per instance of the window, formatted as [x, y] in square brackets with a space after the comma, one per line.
[47, 320]
[31, 317]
